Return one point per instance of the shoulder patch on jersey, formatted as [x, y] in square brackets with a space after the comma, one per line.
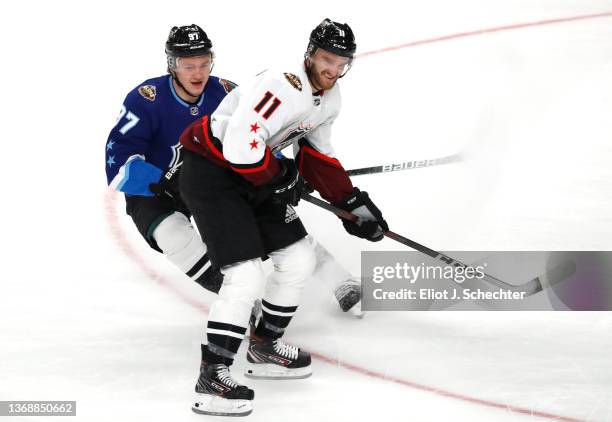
[148, 91]
[294, 81]
[227, 85]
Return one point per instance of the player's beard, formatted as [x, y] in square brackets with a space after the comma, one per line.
[318, 80]
[324, 82]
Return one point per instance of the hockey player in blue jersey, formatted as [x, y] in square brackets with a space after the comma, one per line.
[143, 150]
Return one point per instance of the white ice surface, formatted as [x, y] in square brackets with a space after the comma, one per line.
[89, 313]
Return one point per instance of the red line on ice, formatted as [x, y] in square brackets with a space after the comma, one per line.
[112, 219]
[131, 251]
[440, 392]
[484, 32]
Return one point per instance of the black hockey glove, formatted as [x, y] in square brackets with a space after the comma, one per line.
[371, 224]
[167, 184]
[287, 186]
[305, 187]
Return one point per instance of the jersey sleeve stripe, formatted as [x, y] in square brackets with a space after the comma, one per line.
[216, 150]
[255, 167]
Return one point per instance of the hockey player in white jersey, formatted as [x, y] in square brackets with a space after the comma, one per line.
[142, 159]
[242, 196]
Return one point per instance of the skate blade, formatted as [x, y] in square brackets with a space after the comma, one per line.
[206, 404]
[270, 371]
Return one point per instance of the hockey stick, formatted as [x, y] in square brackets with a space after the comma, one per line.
[406, 165]
[535, 285]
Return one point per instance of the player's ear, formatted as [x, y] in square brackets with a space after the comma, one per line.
[307, 61]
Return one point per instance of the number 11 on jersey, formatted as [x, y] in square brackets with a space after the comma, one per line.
[266, 98]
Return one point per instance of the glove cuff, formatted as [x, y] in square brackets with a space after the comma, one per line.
[354, 200]
[287, 177]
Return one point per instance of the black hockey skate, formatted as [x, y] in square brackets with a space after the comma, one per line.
[274, 359]
[220, 395]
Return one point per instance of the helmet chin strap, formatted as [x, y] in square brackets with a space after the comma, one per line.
[178, 82]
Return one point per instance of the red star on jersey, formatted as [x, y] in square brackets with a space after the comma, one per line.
[254, 127]
[253, 144]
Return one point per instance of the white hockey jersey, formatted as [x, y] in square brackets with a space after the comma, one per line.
[266, 115]
[276, 109]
